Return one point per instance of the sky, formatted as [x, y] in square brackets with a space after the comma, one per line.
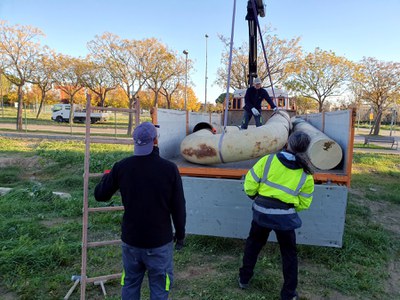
[350, 28]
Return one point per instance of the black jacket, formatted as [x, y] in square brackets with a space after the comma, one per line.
[152, 193]
[254, 97]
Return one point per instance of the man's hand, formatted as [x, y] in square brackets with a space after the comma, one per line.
[255, 111]
[179, 244]
[277, 110]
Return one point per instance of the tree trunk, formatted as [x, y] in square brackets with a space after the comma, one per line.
[320, 106]
[71, 113]
[130, 120]
[156, 99]
[19, 111]
[378, 119]
[41, 104]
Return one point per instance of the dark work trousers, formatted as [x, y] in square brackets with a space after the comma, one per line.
[247, 117]
[258, 237]
[159, 265]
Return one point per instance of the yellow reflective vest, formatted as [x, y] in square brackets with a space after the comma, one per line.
[270, 178]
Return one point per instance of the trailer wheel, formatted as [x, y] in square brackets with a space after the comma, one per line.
[59, 119]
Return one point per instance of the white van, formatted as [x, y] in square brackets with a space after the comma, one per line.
[61, 113]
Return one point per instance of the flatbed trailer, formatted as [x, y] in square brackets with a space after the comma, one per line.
[216, 202]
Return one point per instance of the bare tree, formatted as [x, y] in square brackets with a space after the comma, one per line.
[97, 78]
[279, 53]
[42, 75]
[124, 61]
[19, 52]
[161, 66]
[377, 83]
[174, 84]
[67, 77]
[319, 75]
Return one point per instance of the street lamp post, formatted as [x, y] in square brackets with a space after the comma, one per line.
[186, 76]
[1, 92]
[205, 88]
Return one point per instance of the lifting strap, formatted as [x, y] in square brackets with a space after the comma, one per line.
[262, 44]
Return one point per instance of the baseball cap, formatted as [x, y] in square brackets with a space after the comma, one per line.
[257, 81]
[143, 138]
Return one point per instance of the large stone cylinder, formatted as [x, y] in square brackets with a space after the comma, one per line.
[204, 147]
[323, 152]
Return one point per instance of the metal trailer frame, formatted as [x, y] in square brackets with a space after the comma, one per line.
[215, 201]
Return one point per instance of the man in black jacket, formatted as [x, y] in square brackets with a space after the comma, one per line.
[252, 103]
[152, 194]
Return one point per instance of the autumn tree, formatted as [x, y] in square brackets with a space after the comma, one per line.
[171, 87]
[192, 102]
[67, 77]
[97, 78]
[319, 75]
[42, 76]
[117, 98]
[377, 83]
[304, 105]
[5, 87]
[170, 91]
[279, 53]
[19, 52]
[163, 69]
[124, 59]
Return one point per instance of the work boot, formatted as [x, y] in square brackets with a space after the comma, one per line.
[294, 298]
[243, 286]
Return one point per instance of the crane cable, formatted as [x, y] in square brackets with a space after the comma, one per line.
[229, 65]
[262, 44]
[228, 82]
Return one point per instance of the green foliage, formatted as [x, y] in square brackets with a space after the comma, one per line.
[9, 176]
[221, 98]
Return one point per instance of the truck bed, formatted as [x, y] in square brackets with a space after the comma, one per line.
[237, 170]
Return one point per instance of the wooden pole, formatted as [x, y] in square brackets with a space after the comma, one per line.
[85, 199]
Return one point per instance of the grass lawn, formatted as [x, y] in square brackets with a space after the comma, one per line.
[40, 234]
